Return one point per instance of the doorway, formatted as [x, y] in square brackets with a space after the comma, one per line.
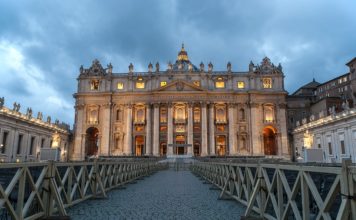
[139, 145]
[91, 141]
[269, 141]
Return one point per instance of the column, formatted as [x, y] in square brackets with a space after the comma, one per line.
[190, 128]
[282, 121]
[204, 131]
[211, 129]
[256, 129]
[156, 130]
[79, 137]
[148, 130]
[105, 120]
[128, 136]
[232, 133]
[170, 130]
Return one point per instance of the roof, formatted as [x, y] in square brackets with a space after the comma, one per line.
[311, 85]
[351, 61]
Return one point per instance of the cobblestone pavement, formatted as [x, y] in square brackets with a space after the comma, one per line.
[165, 195]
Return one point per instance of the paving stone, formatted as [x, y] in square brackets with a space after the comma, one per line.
[165, 195]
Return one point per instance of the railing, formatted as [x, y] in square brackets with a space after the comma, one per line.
[286, 191]
[37, 190]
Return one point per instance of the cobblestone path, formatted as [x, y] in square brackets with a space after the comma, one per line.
[165, 195]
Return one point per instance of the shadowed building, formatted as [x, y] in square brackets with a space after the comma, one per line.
[183, 110]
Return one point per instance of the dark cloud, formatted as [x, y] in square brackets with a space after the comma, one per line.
[310, 39]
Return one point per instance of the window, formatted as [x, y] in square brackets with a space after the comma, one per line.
[267, 83]
[139, 128]
[119, 115]
[120, 85]
[4, 142]
[163, 115]
[330, 148]
[31, 145]
[240, 84]
[196, 115]
[342, 147]
[19, 144]
[140, 85]
[197, 83]
[94, 84]
[269, 113]
[163, 128]
[242, 114]
[219, 84]
[42, 142]
[163, 83]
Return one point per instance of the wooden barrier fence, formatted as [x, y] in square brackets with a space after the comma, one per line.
[285, 191]
[38, 190]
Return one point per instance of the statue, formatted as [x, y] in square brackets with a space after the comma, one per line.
[131, 68]
[39, 115]
[110, 69]
[157, 67]
[29, 112]
[170, 66]
[81, 69]
[210, 67]
[202, 67]
[150, 67]
[2, 102]
[56, 122]
[16, 107]
[250, 67]
[49, 119]
[228, 67]
[190, 67]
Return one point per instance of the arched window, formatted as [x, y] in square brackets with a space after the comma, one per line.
[140, 115]
[93, 116]
[269, 113]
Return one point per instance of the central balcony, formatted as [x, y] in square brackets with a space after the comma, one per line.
[139, 122]
[180, 121]
[220, 121]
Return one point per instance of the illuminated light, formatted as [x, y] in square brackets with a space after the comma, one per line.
[120, 85]
[140, 85]
[267, 83]
[240, 85]
[197, 83]
[163, 83]
[220, 84]
[17, 160]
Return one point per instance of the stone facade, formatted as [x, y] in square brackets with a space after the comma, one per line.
[23, 135]
[334, 134]
[184, 110]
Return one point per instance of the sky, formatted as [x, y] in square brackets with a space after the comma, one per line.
[43, 43]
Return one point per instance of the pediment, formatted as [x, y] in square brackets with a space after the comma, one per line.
[180, 86]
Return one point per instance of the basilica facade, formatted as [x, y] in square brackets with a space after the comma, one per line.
[181, 110]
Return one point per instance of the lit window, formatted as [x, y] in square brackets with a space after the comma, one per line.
[240, 85]
[94, 85]
[267, 83]
[140, 85]
[219, 84]
[163, 83]
[120, 85]
[197, 83]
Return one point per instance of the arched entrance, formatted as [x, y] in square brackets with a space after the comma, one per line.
[91, 141]
[221, 145]
[269, 141]
[139, 145]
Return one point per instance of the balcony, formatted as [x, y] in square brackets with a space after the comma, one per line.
[180, 121]
[93, 122]
[220, 121]
[269, 121]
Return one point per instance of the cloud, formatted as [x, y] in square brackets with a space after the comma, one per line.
[43, 43]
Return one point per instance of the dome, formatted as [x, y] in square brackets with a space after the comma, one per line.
[183, 63]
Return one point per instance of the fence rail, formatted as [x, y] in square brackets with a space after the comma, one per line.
[286, 191]
[37, 190]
